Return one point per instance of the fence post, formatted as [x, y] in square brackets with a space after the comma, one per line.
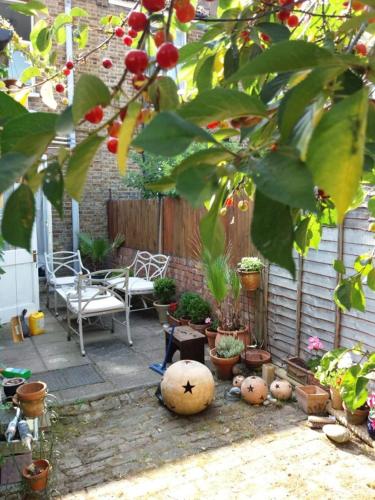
[266, 275]
[297, 346]
[160, 224]
[340, 253]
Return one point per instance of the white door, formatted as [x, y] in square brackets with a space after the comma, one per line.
[19, 286]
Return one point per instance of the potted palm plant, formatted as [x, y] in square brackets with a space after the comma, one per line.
[199, 311]
[164, 292]
[96, 250]
[225, 355]
[249, 270]
[225, 287]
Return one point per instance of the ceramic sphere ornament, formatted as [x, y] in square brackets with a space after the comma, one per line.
[281, 389]
[237, 381]
[254, 390]
[187, 387]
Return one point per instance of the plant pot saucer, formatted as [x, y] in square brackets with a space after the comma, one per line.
[254, 358]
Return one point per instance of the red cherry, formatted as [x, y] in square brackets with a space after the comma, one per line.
[213, 125]
[159, 38]
[285, 2]
[167, 56]
[138, 81]
[66, 71]
[283, 15]
[60, 88]
[186, 13]
[136, 61]
[293, 21]
[114, 129]
[112, 145]
[361, 49]
[153, 5]
[123, 113]
[274, 147]
[229, 202]
[95, 115]
[137, 21]
[128, 40]
[265, 37]
[107, 63]
[119, 32]
[69, 64]
[133, 33]
[245, 35]
[357, 6]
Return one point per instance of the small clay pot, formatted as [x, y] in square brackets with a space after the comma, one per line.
[223, 366]
[254, 358]
[31, 398]
[184, 321]
[200, 328]
[172, 320]
[336, 400]
[250, 281]
[241, 334]
[37, 482]
[211, 336]
[356, 417]
[10, 385]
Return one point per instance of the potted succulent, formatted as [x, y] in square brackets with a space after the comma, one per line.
[211, 331]
[225, 355]
[225, 287]
[199, 312]
[183, 310]
[249, 270]
[164, 292]
[371, 415]
[330, 373]
[36, 474]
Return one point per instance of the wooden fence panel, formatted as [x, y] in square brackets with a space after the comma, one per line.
[137, 220]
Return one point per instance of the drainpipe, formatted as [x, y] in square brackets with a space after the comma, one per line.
[72, 136]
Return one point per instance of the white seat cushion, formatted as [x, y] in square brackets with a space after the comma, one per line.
[137, 286]
[63, 280]
[98, 306]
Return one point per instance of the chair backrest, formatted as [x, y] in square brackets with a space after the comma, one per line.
[64, 263]
[150, 266]
[92, 287]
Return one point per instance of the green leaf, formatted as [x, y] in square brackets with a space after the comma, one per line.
[343, 295]
[284, 178]
[29, 134]
[163, 94]
[79, 12]
[9, 108]
[53, 186]
[79, 164]
[231, 62]
[12, 166]
[126, 134]
[64, 122]
[371, 279]
[358, 297]
[221, 104]
[292, 55]
[28, 73]
[38, 27]
[211, 228]
[43, 40]
[272, 87]
[339, 266]
[47, 93]
[354, 22]
[18, 217]
[272, 231]
[336, 150]
[354, 388]
[293, 105]
[89, 92]
[371, 206]
[302, 236]
[82, 36]
[61, 20]
[197, 184]
[31, 8]
[189, 50]
[168, 135]
[278, 32]
[205, 73]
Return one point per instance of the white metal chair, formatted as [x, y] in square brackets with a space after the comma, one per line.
[62, 268]
[98, 297]
[146, 268]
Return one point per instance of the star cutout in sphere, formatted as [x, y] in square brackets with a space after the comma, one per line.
[188, 388]
[250, 388]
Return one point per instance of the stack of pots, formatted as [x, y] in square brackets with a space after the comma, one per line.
[31, 398]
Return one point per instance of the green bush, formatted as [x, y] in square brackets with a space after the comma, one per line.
[164, 290]
[229, 347]
[199, 310]
[183, 309]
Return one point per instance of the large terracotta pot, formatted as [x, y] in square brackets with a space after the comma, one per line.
[242, 334]
[211, 336]
[31, 398]
[336, 400]
[37, 482]
[356, 417]
[250, 281]
[223, 366]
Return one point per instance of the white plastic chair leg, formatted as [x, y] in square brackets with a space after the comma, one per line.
[69, 324]
[55, 300]
[80, 332]
[128, 327]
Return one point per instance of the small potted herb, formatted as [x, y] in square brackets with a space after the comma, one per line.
[36, 474]
[164, 292]
[199, 311]
[249, 270]
[225, 355]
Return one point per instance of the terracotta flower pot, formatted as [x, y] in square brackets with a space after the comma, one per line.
[31, 398]
[254, 358]
[37, 482]
[223, 366]
[172, 320]
[250, 281]
[184, 321]
[242, 334]
[211, 336]
[356, 417]
[336, 400]
[312, 399]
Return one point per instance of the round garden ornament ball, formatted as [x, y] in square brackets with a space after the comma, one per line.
[237, 381]
[254, 390]
[187, 387]
[281, 389]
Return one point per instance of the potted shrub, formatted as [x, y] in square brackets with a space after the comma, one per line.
[249, 270]
[211, 331]
[330, 374]
[225, 286]
[36, 474]
[225, 355]
[183, 310]
[164, 292]
[199, 312]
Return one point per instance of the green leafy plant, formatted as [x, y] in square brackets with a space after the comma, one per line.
[199, 310]
[183, 310]
[329, 372]
[229, 347]
[96, 250]
[164, 290]
[250, 265]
